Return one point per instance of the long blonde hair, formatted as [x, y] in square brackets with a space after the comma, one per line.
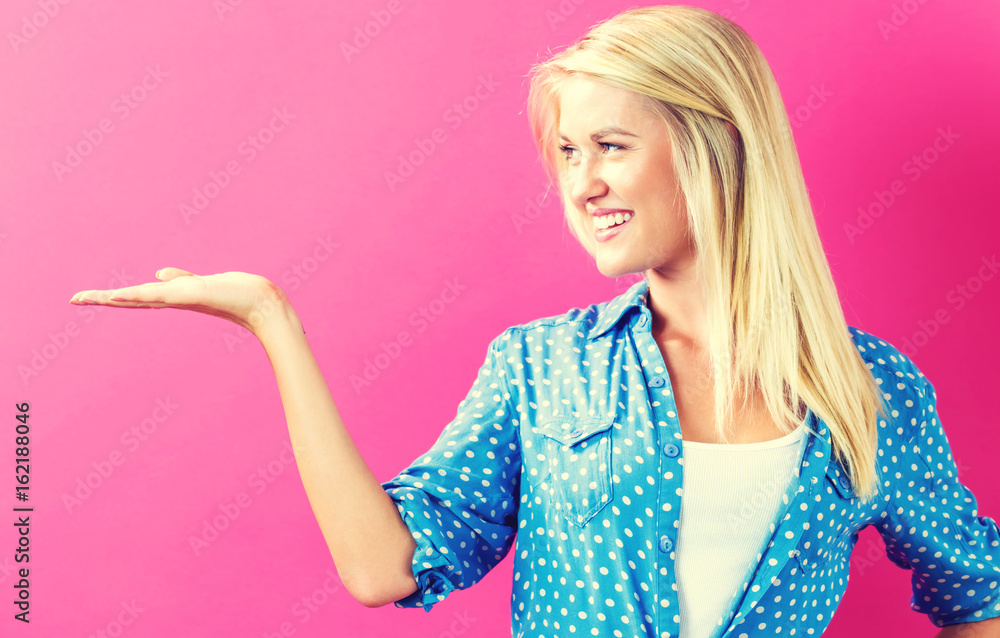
[775, 323]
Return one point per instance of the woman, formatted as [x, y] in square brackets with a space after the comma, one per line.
[695, 457]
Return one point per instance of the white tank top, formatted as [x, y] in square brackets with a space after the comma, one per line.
[731, 497]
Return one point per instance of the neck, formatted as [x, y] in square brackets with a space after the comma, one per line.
[677, 307]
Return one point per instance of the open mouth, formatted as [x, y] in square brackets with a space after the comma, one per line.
[607, 226]
[610, 221]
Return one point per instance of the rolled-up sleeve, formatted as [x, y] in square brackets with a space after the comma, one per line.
[932, 526]
[460, 498]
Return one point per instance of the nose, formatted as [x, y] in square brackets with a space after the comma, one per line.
[586, 182]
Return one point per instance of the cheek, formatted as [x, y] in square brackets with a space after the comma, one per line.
[631, 186]
[653, 197]
[565, 185]
[578, 224]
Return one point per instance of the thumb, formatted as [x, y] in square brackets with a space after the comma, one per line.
[166, 274]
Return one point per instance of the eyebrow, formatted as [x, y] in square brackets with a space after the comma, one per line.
[607, 130]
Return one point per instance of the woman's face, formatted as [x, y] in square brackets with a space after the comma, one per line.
[616, 156]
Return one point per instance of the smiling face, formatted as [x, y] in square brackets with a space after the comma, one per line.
[616, 156]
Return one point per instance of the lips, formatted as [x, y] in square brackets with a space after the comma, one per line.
[604, 234]
[610, 220]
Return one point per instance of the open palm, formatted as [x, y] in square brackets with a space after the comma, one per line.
[242, 298]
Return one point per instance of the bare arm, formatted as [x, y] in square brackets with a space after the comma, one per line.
[983, 629]
[370, 544]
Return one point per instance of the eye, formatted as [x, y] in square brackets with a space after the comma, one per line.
[565, 150]
[607, 146]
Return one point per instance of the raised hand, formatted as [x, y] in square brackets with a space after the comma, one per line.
[242, 298]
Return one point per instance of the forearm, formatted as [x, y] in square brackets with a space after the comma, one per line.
[370, 544]
[983, 629]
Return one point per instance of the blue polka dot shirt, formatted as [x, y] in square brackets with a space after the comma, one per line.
[569, 439]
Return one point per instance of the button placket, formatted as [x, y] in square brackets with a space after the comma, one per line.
[666, 544]
[667, 473]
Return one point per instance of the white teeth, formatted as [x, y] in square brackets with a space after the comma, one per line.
[607, 221]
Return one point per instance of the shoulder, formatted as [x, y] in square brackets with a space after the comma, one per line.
[574, 324]
[891, 367]
[909, 396]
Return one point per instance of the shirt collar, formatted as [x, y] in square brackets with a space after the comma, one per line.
[611, 312]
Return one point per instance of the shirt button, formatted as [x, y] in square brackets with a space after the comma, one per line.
[814, 480]
[656, 382]
[844, 483]
[670, 449]
[666, 544]
[642, 320]
[575, 433]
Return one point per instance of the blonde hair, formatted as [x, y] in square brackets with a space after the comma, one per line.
[775, 323]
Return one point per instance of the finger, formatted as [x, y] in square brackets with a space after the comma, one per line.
[132, 293]
[84, 297]
[146, 295]
[141, 296]
[122, 298]
[143, 293]
[166, 274]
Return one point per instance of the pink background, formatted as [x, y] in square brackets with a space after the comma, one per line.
[864, 103]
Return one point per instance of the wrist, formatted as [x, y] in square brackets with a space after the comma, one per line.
[273, 314]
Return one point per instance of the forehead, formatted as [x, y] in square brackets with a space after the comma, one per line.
[587, 103]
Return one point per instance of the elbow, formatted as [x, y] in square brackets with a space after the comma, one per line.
[372, 594]
[372, 598]
[363, 592]
[369, 598]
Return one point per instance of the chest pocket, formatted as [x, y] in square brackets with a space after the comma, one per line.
[577, 465]
[834, 547]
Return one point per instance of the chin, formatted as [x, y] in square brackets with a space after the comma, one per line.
[616, 269]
